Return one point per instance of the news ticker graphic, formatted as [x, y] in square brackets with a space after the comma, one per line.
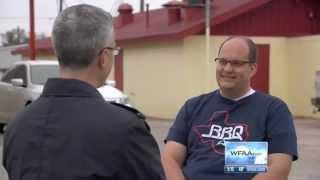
[246, 157]
[245, 169]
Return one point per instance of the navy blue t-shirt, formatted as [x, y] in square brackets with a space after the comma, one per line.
[204, 122]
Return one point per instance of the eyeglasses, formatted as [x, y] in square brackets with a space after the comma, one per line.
[233, 63]
[115, 50]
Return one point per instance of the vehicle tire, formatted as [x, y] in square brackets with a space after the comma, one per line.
[28, 102]
[2, 127]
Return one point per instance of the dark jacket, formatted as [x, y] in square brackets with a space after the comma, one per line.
[72, 133]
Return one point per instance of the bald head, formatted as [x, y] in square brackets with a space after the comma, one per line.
[247, 43]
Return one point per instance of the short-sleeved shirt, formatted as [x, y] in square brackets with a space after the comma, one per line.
[206, 121]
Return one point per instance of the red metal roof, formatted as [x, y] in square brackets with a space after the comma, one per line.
[158, 27]
[285, 18]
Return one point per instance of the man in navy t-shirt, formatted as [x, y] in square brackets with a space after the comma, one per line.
[235, 112]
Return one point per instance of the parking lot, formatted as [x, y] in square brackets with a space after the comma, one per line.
[308, 131]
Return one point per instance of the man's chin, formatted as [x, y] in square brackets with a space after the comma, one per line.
[226, 85]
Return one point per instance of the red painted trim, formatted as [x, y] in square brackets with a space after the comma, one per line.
[118, 70]
[260, 81]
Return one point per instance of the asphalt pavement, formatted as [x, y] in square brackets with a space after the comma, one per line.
[307, 167]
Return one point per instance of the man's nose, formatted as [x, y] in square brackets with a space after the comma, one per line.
[228, 67]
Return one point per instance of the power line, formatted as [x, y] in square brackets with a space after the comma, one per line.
[22, 18]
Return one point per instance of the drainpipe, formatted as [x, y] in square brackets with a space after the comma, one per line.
[147, 15]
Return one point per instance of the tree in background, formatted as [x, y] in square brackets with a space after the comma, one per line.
[14, 37]
[17, 36]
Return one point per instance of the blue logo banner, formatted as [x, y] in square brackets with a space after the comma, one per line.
[246, 157]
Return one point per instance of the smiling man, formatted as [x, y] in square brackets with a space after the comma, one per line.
[195, 145]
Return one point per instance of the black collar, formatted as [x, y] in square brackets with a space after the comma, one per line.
[69, 87]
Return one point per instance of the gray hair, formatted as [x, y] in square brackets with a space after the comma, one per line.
[253, 53]
[79, 33]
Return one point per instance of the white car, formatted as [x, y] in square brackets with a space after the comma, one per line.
[23, 83]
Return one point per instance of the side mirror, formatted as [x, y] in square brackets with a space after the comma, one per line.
[111, 83]
[17, 82]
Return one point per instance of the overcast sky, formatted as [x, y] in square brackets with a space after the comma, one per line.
[14, 13]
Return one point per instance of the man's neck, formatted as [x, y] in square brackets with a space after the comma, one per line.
[235, 95]
[81, 75]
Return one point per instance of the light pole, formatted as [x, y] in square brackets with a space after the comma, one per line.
[32, 47]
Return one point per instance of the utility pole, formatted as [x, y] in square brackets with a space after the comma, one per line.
[208, 19]
[207, 41]
[141, 5]
[60, 6]
[32, 47]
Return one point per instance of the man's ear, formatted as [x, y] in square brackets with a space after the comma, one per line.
[102, 60]
[254, 69]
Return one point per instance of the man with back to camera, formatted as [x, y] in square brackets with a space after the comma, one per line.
[235, 112]
[71, 132]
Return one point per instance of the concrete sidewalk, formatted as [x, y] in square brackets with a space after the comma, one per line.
[308, 131]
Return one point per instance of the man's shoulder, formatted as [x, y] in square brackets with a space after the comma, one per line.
[202, 98]
[272, 104]
[129, 113]
[129, 110]
[268, 99]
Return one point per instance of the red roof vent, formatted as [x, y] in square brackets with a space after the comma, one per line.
[125, 7]
[174, 11]
[192, 12]
[125, 14]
